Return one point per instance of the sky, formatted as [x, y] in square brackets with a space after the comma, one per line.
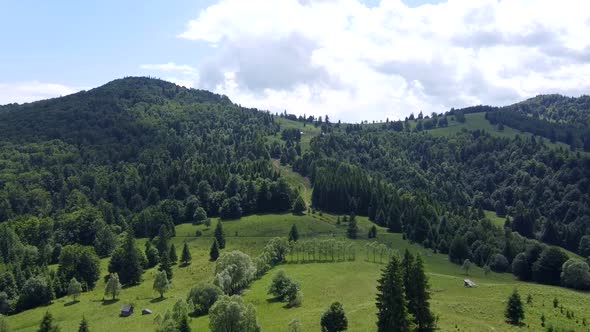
[350, 59]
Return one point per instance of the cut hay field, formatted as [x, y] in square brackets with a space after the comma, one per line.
[352, 283]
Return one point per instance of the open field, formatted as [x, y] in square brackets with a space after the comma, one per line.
[352, 282]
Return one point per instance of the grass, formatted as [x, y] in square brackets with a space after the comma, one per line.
[309, 131]
[477, 121]
[353, 283]
[295, 180]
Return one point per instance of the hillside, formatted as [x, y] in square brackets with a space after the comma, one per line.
[129, 177]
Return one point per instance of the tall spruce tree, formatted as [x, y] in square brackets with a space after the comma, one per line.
[293, 233]
[126, 261]
[419, 305]
[392, 312]
[166, 266]
[83, 325]
[173, 255]
[47, 324]
[352, 230]
[214, 251]
[186, 257]
[219, 236]
[514, 310]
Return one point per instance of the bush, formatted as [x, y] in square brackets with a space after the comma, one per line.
[499, 263]
[198, 233]
[575, 274]
[203, 296]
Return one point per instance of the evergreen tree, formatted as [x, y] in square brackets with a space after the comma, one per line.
[419, 305]
[113, 286]
[161, 283]
[214, 251]
[334, 319]
[219, 236]
[83, 325]
[293, 233]
[514, 310]
[352, 230]
[47, 324]
[127, 261]
[186, 255]
[173, 255]
[166, 266]
[299, 205]
[391, 300]
[372, 232]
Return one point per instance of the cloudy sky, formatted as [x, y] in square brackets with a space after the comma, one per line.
[351, 59]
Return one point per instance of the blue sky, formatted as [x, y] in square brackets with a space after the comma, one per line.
[352, 59]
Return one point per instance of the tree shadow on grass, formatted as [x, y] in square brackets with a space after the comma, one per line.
[109, 302]
[273, 300]
[157, 299]
[67, 304]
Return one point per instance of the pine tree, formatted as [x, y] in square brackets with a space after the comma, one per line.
[514, 310]
[173, 256]
[166, 266]
[113, 286]
[47, 324]
[334, 319]
[352, 229]
[126, 261]
[219, 236]
[83, 325]
[161, 283]
[419, 305]
[299, 205]
[391, 301]
[293, 234]
[186, 255]
[214, 251]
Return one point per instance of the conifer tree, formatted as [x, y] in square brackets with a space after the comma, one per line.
[173, 255]
[514, 310]
[83, 325]
[166, 266]
[186, 255]
[392, 314]
[126, 261]
[299, 205]
[214, 251]
[352, 230]
[419, 305]
[334, 319]
[219, 236]
[47, 324]
[293, 233]
[183, 325]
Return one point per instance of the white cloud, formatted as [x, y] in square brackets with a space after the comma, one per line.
[355, 62]
[24, 92]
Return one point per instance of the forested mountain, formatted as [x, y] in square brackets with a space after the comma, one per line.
[138, 156]
[136, 153]
[434, 189]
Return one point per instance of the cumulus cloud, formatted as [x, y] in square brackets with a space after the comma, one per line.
[24, 92]
[359, 62]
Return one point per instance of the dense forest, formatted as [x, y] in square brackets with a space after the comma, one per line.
[435, 191]
[137, 154]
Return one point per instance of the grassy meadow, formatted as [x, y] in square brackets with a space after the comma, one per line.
[351, 282]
